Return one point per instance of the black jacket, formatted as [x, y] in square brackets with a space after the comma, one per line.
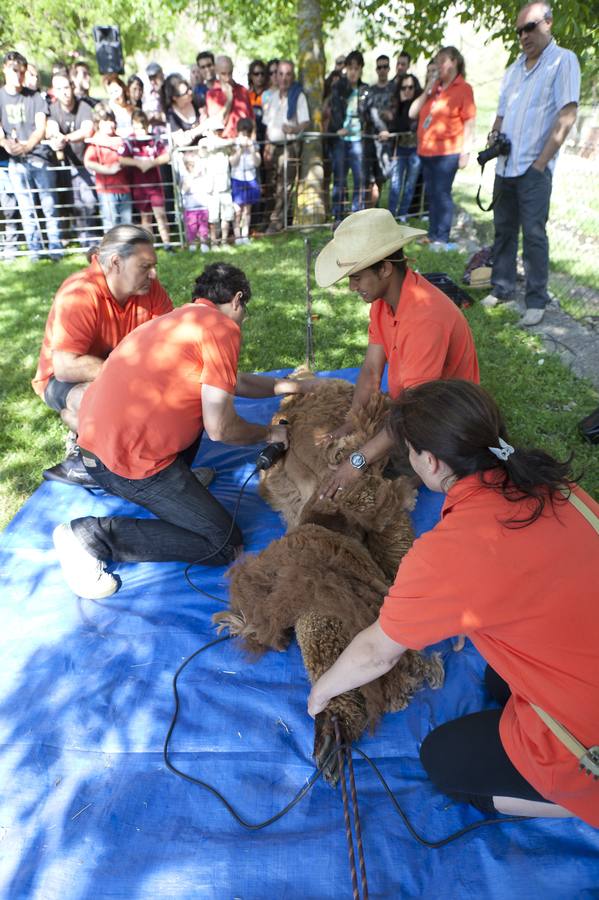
[339, 97]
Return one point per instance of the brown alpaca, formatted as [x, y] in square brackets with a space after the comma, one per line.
[326, 578]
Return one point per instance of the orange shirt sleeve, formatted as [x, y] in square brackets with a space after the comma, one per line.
[468, 110]
[423, 605]
[75, 321]
[220, 354]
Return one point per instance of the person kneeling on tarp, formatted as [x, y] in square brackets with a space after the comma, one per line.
[514, 564]
[140, 424]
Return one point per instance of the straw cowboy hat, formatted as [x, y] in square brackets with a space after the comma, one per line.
[364, 238]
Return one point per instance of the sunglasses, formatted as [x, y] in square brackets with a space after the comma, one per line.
[259, 72]
[383, 66]
[528, 28]
[184, 92]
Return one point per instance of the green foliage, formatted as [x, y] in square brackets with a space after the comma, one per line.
[541, 399]
[47, 30]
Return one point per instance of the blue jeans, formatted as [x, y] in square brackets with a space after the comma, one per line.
[405, 171]
[347, 155]
[190, 522]
[9, 215]
[438, 173]
[27, 179]
[115, 209]
[522, 202]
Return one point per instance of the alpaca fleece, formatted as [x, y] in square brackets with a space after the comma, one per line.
[326, 578]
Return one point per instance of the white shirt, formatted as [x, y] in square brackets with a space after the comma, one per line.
[275, 114]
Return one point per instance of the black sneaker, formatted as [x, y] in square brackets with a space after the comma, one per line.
[71, 471]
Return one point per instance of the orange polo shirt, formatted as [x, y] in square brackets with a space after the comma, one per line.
[86, 319]
[527, 598]
[145, 406]
[444, 114]
[427, 337]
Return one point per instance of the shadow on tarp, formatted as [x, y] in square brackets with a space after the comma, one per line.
[88, 809]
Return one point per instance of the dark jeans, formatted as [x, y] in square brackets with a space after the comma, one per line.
[404, 175]
[190, 522]
[84, 204]
[347, 155]
[522, 202]
[438, 173]
[466, 760]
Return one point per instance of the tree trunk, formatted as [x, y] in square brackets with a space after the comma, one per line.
[311, 206]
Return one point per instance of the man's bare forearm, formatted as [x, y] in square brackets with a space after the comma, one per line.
[561, 128]
[78, 370]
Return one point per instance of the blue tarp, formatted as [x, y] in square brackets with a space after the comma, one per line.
[88, 808]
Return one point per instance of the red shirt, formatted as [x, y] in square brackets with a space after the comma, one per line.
[241, 108]
[425, 339]
[85, 318]
[441, 119]
[145, 406]
[106, 150]
[527, 598]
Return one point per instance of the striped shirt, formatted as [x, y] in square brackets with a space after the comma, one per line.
[529, 102]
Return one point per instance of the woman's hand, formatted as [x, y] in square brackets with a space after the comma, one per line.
[342, 431]
[383, 136]
[342, 132]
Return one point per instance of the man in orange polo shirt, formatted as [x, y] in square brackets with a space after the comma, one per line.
[526, 597]
[415, 328]
[92, 312]
[140, 425]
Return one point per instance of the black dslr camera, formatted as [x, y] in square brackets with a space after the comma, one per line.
[500, 145]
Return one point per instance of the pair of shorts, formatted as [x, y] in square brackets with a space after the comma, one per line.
[55, 395]
[245, 192]
[146, 197]
[220, 207]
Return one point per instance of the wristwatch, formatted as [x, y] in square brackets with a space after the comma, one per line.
[358, 460]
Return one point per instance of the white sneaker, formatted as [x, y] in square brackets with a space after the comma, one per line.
[204, 248]
[85, 575]
[532, 317]
[192, 247]
[490, 301]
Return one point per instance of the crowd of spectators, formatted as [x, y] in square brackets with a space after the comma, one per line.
[73, 165]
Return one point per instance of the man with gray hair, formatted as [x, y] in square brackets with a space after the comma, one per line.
[92, 312]
[228, 100]
[537, 108]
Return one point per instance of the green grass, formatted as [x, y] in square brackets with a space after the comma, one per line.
[541, 399]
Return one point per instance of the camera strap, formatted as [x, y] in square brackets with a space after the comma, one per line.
[478, 200]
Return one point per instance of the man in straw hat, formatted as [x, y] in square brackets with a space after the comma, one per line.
[414, 328]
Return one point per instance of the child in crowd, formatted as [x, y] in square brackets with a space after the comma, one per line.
[195, 199]
[102, 157]
[143, 154]
[217, 180]
[245, 187]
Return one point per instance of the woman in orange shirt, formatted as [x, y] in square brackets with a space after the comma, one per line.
[446, 117]
[513, 564]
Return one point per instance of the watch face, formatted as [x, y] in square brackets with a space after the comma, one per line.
[357, 460]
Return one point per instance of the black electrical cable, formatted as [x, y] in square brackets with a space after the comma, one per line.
[257, 826]
[212, 553]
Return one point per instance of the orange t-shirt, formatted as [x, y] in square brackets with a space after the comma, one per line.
[86, 319]
[145, 406]
[444, 114]
[425, 339]
[527, 598]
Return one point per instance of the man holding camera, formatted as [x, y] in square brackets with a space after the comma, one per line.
[537, 108]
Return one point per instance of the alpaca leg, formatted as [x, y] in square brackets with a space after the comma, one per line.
[322, 640]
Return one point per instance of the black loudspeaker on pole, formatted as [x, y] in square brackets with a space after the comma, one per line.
[109, 51]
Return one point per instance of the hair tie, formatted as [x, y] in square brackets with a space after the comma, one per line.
[504, 451]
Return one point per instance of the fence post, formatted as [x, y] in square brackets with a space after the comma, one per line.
[285, 161]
